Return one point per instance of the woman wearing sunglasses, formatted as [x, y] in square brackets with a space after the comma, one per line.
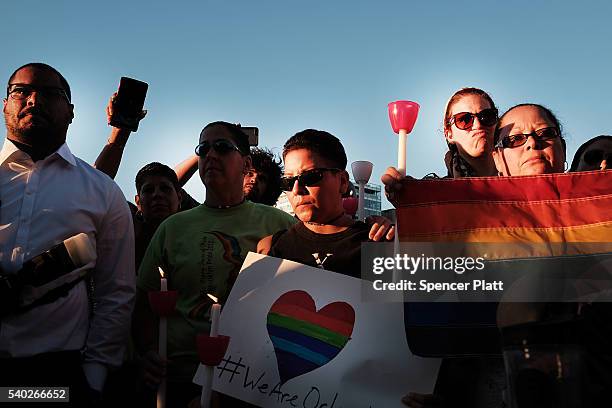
[469, 127]
[202, 251]
[594, 154]
[469, 124]
[529, 142]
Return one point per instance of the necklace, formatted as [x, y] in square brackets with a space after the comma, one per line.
[328, 222]
[223, 207]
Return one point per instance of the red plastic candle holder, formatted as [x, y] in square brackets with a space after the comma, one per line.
[403, 115]
[211, 350]
[163, 303]
[350, 205]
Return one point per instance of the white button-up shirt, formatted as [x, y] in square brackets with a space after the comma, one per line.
[41, 204]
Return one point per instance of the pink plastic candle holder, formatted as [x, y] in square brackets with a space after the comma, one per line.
[163, 302]
[350, 205]
[403, 115]
[211, 349]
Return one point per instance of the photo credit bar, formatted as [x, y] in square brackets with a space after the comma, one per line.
[487, 272]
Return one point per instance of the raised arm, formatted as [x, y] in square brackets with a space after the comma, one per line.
[109, 159]
[185, 169]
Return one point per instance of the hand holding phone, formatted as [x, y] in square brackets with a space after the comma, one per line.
[126, 110]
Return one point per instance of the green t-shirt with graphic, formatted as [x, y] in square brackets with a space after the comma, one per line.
[201, 251]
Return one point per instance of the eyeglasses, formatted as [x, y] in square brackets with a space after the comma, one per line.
[596, 156]
[512, 141]
[308, 178]
[465, 120]
[221, 146]
[23, 91]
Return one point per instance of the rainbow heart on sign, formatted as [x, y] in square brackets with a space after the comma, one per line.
[303, 338]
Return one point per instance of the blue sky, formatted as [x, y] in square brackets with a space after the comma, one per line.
[286, 65]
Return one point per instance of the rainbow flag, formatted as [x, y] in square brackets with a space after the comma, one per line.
[305, 339]
[557, 208]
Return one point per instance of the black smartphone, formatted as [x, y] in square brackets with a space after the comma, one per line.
[129, 103]
[253, 133]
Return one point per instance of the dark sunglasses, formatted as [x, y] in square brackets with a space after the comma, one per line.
[23, 91]
[306, 179]
[512, 141]
[596, 156]
[221, 146]
[465, 120]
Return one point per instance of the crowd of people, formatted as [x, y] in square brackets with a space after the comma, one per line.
[48, 195]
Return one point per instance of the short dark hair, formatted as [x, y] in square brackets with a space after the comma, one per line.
[583, 147]
[241, 138]
[44, 66]
[265, 162]
[544, 109]
[320, 142]
[156, 169]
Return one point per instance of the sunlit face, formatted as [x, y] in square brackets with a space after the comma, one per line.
[477, 141]
[41, 119]
[254, 185]
[320, 202]
[598, 156]
[222, 170]
[157, 198]
[535, 156]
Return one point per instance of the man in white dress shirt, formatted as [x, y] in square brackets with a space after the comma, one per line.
[46, 196]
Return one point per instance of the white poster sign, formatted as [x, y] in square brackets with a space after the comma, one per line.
[303, 337]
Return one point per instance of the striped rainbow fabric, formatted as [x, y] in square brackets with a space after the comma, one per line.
[572, 207]
[559, 208]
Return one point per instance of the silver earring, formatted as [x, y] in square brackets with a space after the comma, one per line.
[565, 166]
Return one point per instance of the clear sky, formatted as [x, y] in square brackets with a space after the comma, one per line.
[334, 65]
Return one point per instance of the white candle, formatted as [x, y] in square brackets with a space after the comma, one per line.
[401, 152]
[163, 351]
[360, 208]
[163, 283]
[215, 312]
[161, 391]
